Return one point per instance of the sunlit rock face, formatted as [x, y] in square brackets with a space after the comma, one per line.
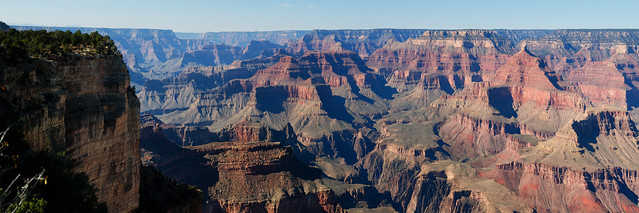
[435, 120]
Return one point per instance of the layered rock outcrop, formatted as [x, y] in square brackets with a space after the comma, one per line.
[250, 167]
[362, 42]
[245, 38]
[83, 106]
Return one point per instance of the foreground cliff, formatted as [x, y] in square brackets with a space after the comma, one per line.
[80, 104]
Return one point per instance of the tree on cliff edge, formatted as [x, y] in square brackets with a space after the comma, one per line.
[16, 46]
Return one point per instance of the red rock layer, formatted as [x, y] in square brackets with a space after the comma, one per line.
[336, 68]
[563, 189]
[523, 69]
[310, 43]
[441, 52]
[545, 98]
[472, 137]
[602, 83]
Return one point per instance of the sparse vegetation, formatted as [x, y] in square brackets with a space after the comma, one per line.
[41, 181]
[16, 46]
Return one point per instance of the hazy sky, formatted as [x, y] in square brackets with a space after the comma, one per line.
[260, 15]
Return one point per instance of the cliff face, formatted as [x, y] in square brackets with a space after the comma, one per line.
[362, 42]
[81, 105]
[569, 190]
[253, 168]
[245, 38]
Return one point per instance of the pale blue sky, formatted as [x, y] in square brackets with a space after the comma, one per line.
[260, 15]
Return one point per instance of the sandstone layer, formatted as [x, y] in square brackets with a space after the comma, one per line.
[84, 106]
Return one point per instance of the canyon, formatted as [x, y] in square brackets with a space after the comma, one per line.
[432, 120]
[358, 120]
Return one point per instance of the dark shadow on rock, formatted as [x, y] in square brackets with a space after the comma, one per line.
[570, 48]
[345, 148]
[432, 191]
[436, 128]
[501, 99]
[379, 87]
[183, 165]
[116, 107]
[336, 109]
[302, 170]
[137, 78]
[202, 82]
[476, 78]
[468, 44]
[154, 85]
[438, 153]
[632, 95]
[164, 111]
[371, 198]
[587, 132]
[511, 128]
[589, 185]
[459, 83]
[474, 67]
[445, 85]
[626, 191]
[159, 193]
[553, 80]
[377, 84]
[269, 99]
[623, 189]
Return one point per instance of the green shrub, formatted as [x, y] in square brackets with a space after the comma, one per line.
[16, 46]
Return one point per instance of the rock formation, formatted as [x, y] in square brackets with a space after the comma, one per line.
[251, 167]
[433, 120]
[84, 106]
[245, 38]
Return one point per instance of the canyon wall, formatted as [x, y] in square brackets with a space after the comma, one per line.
[82, 106]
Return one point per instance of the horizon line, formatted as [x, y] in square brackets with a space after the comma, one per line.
[319, 29]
